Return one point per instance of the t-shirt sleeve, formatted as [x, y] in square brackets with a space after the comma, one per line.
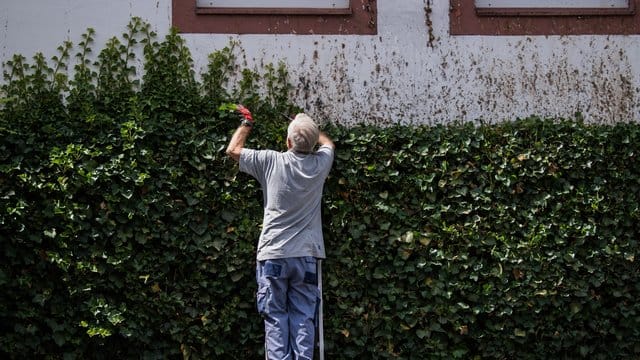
[253, 162]
[327, 153]
[248, 162]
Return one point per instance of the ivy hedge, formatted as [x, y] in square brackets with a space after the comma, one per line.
[127, 233]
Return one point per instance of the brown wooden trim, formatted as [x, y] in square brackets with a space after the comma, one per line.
[362, 20]
[464, 20]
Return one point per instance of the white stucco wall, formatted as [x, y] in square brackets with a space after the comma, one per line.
[394, 76]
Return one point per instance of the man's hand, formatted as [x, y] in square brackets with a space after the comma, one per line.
[244, 113]
[240, 135]
[324, 139]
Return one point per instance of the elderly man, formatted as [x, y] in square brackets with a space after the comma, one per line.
[291, 241]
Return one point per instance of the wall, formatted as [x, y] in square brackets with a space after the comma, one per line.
[411, 72]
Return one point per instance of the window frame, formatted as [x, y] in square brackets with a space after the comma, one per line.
[273, 10]
[555, 11]
[466, 19]
[359, 19]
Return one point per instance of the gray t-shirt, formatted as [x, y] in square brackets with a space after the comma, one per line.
[292, 191]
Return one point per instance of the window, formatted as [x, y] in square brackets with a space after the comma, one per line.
[553, 7]
[544, 17]
[344, 17]
[274, 6]
[601, 4]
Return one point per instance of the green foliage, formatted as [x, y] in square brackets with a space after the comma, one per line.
[127, 232]
[516, 240]
[125, 227]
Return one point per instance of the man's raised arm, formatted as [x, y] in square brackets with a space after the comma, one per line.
[241, 134]
[324, 139]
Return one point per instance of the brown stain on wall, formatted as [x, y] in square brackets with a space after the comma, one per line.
[599, 85]
[428, 11]
[352, 82]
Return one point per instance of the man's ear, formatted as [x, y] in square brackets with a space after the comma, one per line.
[289, 144]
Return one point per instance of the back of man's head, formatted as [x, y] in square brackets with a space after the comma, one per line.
[303, 133]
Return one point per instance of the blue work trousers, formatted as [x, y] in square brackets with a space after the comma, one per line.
[288, 298]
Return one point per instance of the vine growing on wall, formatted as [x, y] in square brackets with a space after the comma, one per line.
[128, 233]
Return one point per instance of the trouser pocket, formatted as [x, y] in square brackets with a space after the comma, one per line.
[268, 272]
[310, 270]
[262, 298]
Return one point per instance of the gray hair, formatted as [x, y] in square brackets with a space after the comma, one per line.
[303, 133]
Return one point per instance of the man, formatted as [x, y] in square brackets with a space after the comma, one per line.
[291, 241]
